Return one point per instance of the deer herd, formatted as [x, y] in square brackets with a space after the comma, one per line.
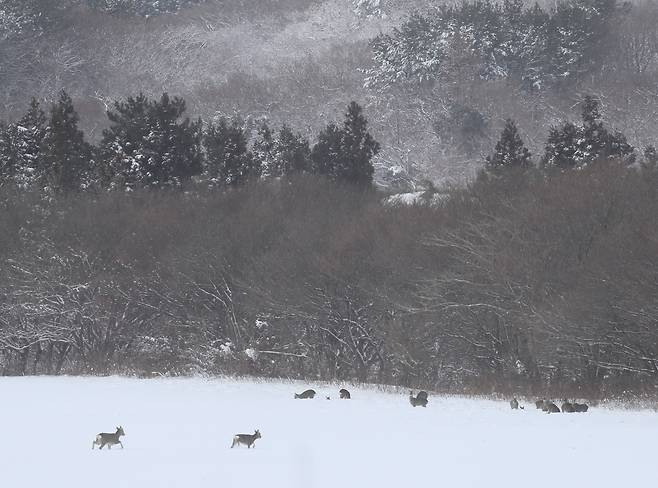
[550, 407]
[110, 439]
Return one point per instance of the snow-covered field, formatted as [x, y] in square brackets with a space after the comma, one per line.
[178, 433]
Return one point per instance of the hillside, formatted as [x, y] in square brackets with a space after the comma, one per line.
[301, 61]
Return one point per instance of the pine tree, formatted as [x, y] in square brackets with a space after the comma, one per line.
[282, 154]
[228, 160]
[510, 152]
[573, 146]
[293, 153]
[21, 145]
[345, 154]
[263, 150]
[67, 156]
[149, 144]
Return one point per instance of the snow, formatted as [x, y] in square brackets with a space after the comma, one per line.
[415, 198]
[178, 433]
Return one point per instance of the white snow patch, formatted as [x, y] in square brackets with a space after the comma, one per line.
[251, 353]
[179, 431]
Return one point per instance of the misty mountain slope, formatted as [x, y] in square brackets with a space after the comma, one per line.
[179, 432]
[300, 62]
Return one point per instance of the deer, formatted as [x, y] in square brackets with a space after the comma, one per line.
[344, 394]
[246, 439]
[568, 407]
[540, 404]
[419, 400]
[550, 407]
[305, 394]
[580, 407]
[109, 439]
[514, 403]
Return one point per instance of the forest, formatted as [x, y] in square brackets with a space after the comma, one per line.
[460, 197]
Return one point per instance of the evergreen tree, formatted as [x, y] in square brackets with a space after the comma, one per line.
[282, 154]
[21, 145]
[573, 145]
[651, 155]
[228, 160]
[148, 145]
[293, 153]
[264, 151]
[67, 156]
[510, 152]
[345, 154]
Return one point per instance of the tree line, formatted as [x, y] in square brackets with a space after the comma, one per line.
[532, 46]
[535, 277]
[150, 144]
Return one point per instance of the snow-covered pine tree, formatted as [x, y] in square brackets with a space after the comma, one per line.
[292, 152]
[228, 160]
[282, 154]
[67, 156]
[573, 146]
[510, 151]
[263, 150]
[149, 144]
[21, 145]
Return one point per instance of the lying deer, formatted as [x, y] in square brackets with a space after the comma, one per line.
[419, 400]
[567, 407]
[247, 439]
[344, 394]
[580, 407]
[105, 438]
[550, 407]
[305, 394]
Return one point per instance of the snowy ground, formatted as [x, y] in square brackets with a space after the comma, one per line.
[178, 433]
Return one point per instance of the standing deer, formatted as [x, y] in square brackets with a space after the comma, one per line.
[514, 403]
[247, 439]
[109, 439]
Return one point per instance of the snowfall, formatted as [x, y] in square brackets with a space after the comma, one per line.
[179, 432]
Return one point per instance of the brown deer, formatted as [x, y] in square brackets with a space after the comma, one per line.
[567, 407]
[580, 407]
[305, 394]
[550, 407]
[109, 439]
[246, 439]
[344, 394]
[420, 400]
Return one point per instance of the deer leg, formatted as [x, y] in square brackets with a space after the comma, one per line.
[121, 444]
[109, 446]
[100, 448]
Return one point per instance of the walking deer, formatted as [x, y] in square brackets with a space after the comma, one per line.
[246, 439]
[109, 439]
